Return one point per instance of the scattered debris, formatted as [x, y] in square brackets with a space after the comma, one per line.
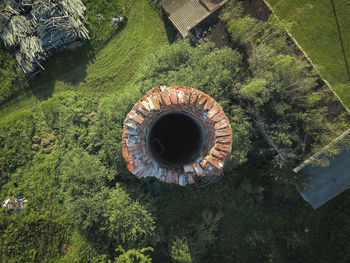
[101, 17]
[116, 21]
[35, 29]
[15, 204]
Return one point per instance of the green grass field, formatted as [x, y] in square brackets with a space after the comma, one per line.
[111, 69]
[314, 27]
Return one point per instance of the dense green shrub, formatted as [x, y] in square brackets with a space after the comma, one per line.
[11, 77]
[15, 144]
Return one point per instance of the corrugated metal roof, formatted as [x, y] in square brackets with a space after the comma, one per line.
[327, 182]
[188, 16]
[330, 181]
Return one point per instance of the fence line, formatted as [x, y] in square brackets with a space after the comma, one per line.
[309, 59]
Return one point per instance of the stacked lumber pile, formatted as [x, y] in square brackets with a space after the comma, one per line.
[37, 28]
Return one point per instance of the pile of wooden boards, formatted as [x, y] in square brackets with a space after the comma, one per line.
[37, 28]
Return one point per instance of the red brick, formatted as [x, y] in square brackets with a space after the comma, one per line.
[194, 97]
[166, 97]
[176, 178]
[209, 104]
[224, 123]
[131, 166]
[201, 100]
[188, 168]
[126, 155]
[223, 147]
[180, 96]
[218, 164]
[219, 116]
[135, 117]
[173, 96]
[190, 179]
[218, 154]
[224, 140]
[187, 96]
[156, 101]
[141, 109]
[198, 169]
[169, 176]
[213, 111]
[223, 132]
[157, 90]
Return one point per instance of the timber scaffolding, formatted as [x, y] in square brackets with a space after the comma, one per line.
[37, 28]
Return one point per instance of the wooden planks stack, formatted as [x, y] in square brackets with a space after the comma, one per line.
[37, 28]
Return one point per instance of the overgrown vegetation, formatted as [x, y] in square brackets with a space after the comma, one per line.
[313, 24]
[280, 90]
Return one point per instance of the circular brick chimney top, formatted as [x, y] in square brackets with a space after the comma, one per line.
[175, 134]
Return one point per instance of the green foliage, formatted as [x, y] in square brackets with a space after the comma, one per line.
[38, 233]
[106, 133]
[104, 216]
[11, 77]
[68, 113]
[82, 175]
[133, 255]
[203, 67]
[80, 250]
[15, 144]
[129, 224]
[206, 68]
[241, 29]
[180, 251]
[100, 30]
[242, 129]
[256, 91]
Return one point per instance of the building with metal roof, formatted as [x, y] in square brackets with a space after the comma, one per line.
[326, 182]
[187, 14]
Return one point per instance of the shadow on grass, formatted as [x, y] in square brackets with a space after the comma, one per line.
[68, 66]
[169, 28]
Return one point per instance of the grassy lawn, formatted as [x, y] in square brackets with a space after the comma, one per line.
[314, 26]
[111, 69]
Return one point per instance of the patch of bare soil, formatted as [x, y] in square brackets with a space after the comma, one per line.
[218, 35]
[256, 9]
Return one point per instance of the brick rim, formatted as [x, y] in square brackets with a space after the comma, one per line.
[161, 100]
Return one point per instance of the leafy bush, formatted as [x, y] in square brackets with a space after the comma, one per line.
[107, 217]
[15, 144]
[12, 78]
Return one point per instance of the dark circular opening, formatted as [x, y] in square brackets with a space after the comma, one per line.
[175, 139]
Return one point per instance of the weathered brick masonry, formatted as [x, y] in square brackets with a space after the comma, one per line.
[215, 147]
